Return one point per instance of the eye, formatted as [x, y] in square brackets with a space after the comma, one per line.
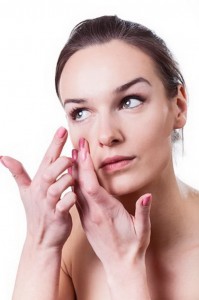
[79, 114]
[131, 101]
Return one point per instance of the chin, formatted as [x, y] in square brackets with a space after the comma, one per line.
[123, 184]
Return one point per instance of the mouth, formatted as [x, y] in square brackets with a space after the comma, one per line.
[116, 163]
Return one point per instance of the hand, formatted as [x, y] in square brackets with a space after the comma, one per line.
[48, 219]
[113, 233]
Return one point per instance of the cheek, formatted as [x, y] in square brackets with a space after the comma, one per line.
[76, 132]
[74, 136]
[151, 134]
[158, 125]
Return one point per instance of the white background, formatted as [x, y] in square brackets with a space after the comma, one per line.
[32, 34]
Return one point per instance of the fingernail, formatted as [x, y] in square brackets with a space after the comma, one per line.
[83, 149]
[3, 163]
[70, 171]
[61, 132]
[81, 143]
[74, 155]
[147, 200]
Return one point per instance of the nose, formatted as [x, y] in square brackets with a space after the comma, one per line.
[109, 132]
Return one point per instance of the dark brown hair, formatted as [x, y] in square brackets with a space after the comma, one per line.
[106, 28]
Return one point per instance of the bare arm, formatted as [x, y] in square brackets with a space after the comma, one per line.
[38, 273]
[48, 222]
[40, 276]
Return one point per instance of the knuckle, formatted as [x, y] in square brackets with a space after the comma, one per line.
[96, 219]
[60, 207]
[48, 159]
[20, 166]
[96, 216]
[46, 176]
[91, 190]
[53, 191]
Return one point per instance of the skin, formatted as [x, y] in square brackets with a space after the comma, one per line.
[149, 124]
[103, 69]
[150, 260]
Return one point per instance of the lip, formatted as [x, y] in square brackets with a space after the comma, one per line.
[116, 162]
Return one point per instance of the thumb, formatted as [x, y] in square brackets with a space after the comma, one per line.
[17, 170]
[142, 216]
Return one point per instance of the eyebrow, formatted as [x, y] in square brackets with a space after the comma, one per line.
[119, 89]
[127, 85]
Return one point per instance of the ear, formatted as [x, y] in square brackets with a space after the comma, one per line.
[180, 108]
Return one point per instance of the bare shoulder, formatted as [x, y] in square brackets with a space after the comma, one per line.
[190, 200]
[188, 192]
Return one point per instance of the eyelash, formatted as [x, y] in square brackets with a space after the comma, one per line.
[134, 96]
[73, 113]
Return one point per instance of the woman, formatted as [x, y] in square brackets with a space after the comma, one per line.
[125, 102]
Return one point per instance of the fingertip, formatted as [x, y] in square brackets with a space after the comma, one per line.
[70, 171]
[17, 170]
[146, 200]
[65, 204]
[87, 146]
[61, 132]
[84, 150]
[3, 161]
[74, 155]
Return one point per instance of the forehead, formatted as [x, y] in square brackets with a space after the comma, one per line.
[103, 67]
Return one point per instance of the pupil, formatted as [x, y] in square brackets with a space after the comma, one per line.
[127, 103]
[79, 114]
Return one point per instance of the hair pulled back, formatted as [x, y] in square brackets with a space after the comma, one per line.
[106, 28]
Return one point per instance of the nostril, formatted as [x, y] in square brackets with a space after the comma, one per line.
[115, 141]
[109, 140]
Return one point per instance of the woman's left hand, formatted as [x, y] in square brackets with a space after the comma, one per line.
[113, 233]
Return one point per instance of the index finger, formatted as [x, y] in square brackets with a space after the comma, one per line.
[55, 148]
[87, 179]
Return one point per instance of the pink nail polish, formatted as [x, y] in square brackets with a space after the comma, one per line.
[147, 200]
[81, 143]
[74, 155]
[61, 132]
[70, 170]
[3, 163]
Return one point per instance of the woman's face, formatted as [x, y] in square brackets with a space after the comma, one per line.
[114, 98]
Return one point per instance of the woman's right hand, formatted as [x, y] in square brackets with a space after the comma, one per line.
[48, 219]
